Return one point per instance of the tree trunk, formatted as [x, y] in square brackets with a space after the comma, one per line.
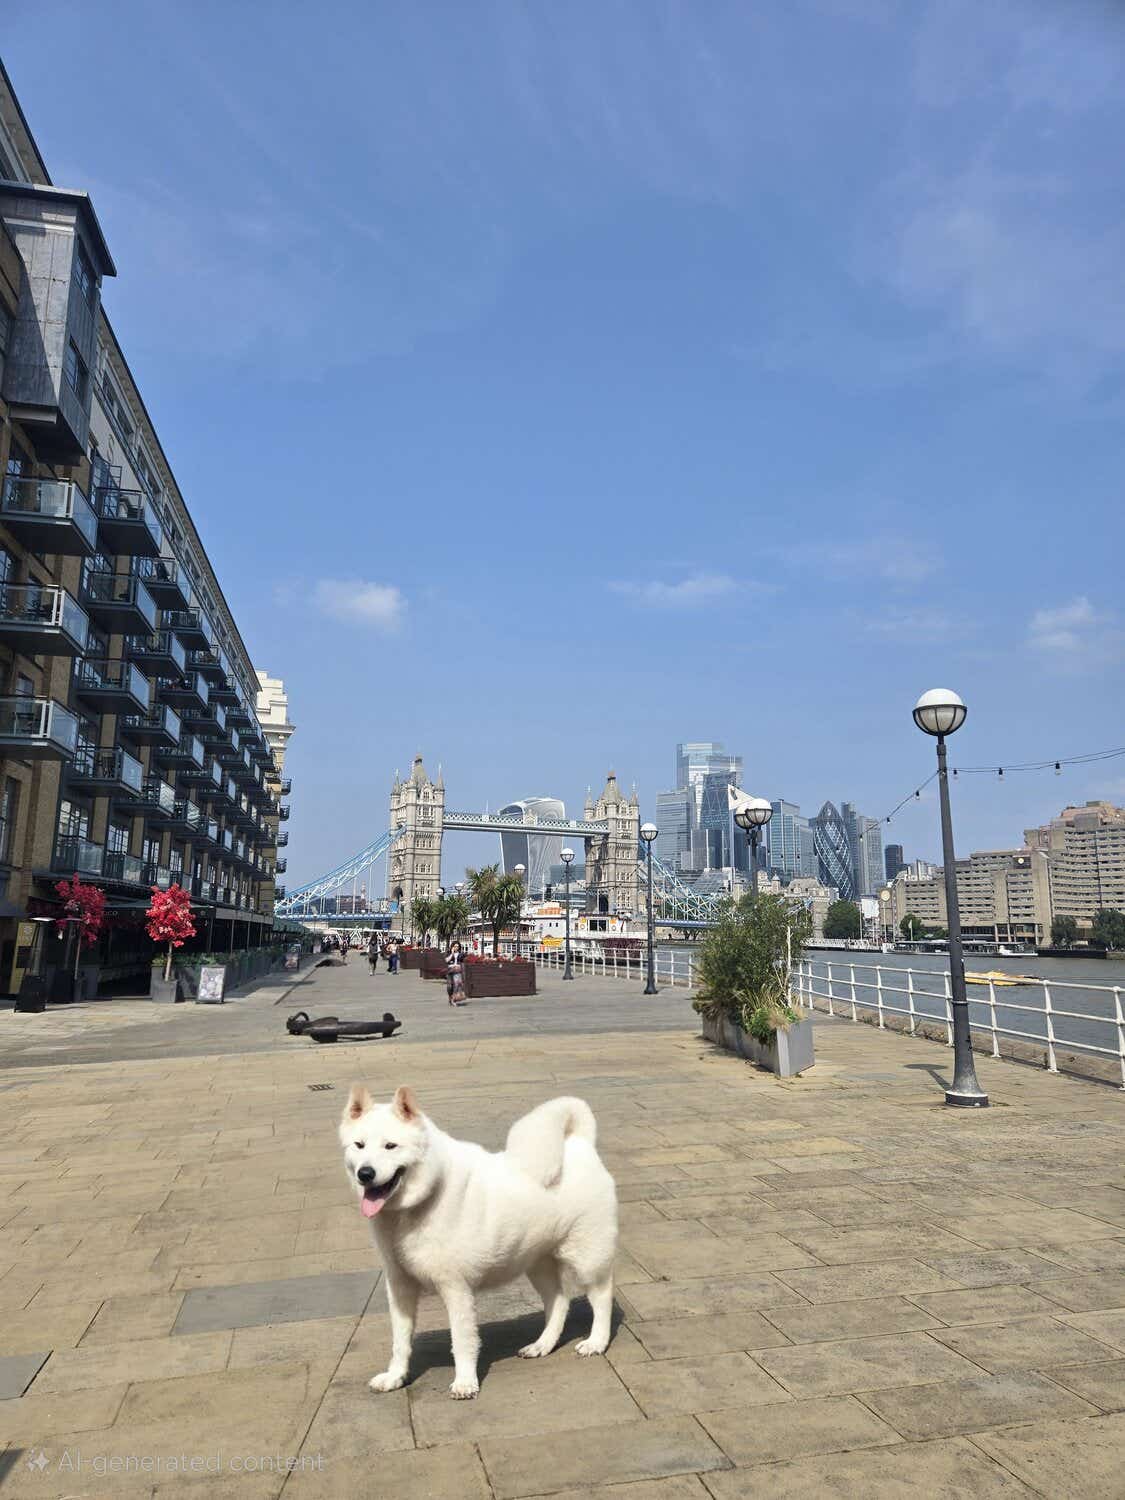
[497, 923]
[168, 965]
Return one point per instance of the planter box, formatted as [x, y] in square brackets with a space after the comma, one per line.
[410, 958]
[507, 977]
[433, 963]
[789, 1053]
[163, 991]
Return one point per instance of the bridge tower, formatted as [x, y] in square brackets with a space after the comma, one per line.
[612, 881]
[414, 861]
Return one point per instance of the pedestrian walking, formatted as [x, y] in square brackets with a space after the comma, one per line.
[392, 961]
[373, 953]
[455, 975]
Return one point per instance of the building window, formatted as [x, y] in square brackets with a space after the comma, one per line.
[84, 274]
[117, 838]
[77, 376]
[9, 812]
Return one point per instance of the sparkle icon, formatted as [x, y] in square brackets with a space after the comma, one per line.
[40, 1461]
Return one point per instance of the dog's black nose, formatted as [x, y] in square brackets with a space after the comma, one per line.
[366, 1175]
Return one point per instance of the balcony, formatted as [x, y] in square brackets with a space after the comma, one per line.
[123, 869]
[41, 621]
[278, 892]
[165, 581]
[186, 691]
[210, 663]
[158, 653]
[112, 686]
[283, 812]
[187, 818]
[228, 752]
[186, 756]
[157, 799]
[37, 729]
[160, 876]
[77, 856]
[192, 627]
[106, 773]
[211, 831]
[127, 522]
[280, 866]
[160, 726]
[211, 723]
[118, 601]
[281, 840]
[240, 716]
[285, 787]
[49, 515]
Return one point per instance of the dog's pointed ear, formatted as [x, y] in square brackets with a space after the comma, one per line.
[359, 1102]
[405, 1105]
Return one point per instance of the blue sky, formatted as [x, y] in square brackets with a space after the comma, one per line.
[553, 383]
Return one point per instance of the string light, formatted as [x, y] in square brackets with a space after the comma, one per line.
[999, 771]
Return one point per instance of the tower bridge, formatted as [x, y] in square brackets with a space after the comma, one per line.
[411, 848]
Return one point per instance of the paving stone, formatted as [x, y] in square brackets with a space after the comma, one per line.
[680, 1487]
[605, 1455]
[838, 1247]
[989, 1304]
[121, 1319]
[90, 1366]
[289, 1300]
[1028, 1344]
[1083, 1293]
[873, 1279]
[830, 1369]
[950, 1468]
[708, 1384]
[17, 1371]
[560, 1393]
[317, 1340]
[669, 1338]
[660, 1299]
[1101, 1255]
[45, 1413]
[993, 1267]
[24, 1332]
[1065, 1460]
[705, 1255]
[1103, 1383]
[771, 1434]
[928, 1411]
[850, 1320]
[427, 1474]
[1108, 1326]
[1039, 1226]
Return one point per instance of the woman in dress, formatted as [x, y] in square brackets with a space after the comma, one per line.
[455, 975]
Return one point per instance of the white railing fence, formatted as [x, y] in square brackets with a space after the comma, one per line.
[670, 966]
[1053, 1013]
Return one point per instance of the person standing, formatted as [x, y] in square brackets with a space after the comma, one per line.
[373, 952]
[455, 975]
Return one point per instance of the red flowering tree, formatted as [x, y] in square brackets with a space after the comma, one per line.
[83, 907]
[169, 920]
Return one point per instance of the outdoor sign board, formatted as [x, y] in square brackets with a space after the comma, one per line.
[212, 978]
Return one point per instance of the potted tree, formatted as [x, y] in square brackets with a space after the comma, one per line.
[744, 997]
[168, 920]
[84, 915]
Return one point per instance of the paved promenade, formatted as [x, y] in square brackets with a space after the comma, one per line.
[832, 1286]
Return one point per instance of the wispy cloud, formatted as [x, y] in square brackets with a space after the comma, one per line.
[360, 602]
[1076, 635]
[692, 592]
[917, 625]
[896, 559]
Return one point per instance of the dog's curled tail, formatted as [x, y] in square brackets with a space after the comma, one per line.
[536, 1142]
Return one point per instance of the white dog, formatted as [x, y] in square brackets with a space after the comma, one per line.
[450, 1217]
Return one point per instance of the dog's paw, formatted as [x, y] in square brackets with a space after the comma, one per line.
[589, 1346]
[533, 1351]
[464, 1390]
[387, 1381]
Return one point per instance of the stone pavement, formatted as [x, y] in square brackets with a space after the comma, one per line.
[832, 1286]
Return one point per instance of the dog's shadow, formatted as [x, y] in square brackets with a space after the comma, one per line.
[503, 1338]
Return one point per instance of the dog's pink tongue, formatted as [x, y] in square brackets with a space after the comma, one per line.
[371, 1206]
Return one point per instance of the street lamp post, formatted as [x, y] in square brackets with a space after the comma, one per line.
[648, 833]
[519, 874]
[939, 713]
[567, 859]
[885, 910]
[752, 817]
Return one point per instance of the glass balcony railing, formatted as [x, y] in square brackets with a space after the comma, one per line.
[78, 856]
[108, 767]
[37, 726]
[128, 522]
[158, 651]
[119, 598]
[126, 868]
[188, 816]
[117, 680]
[159, 796]
[42, 620]
[49, 515]
[159, 725]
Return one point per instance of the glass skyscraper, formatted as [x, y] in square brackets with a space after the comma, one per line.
[537, 852]
[834, 852]
[694, 819]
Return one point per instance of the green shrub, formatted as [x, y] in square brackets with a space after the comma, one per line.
[744, 964]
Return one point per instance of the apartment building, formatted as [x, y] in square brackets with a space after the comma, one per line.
[1004, 896]
[132, 753]
[1085, 847]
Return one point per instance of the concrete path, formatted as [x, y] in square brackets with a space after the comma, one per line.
[827, 1287]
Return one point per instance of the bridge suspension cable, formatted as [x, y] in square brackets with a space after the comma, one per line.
[311, 900]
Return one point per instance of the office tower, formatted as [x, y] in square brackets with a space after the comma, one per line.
[835, 861]
[893, 861]
[537, 852]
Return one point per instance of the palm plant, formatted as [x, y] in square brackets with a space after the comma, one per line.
[423, 914]
[503, 903]
[450, 917]
[480, 883]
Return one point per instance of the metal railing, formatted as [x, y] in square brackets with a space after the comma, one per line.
[1052, 1013]
[25, 720]
[43, 605]
[49, 500]
[671, 967]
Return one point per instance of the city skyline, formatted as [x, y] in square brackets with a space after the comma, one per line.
[557, 295]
